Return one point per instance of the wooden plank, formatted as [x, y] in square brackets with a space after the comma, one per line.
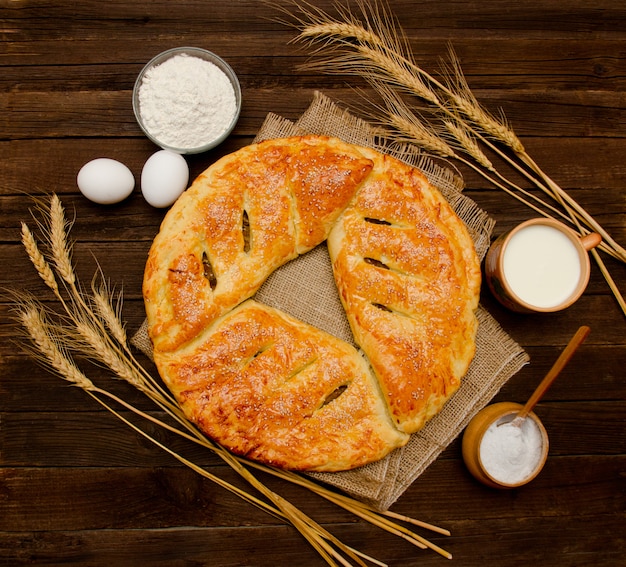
[543, 331]
[538, 17]
[488, 62]
[120, 499]
[134, 219]
[109, 114]
[140, 498]
[511, 542]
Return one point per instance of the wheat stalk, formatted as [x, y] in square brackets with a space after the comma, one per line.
[465, 138]
[51, 349]
[91, 326]
[463, 101]
[407, 127]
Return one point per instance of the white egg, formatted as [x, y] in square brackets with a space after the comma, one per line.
[105, 181]
[164, 177]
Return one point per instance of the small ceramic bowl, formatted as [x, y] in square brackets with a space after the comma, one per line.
[475, 458]
[206, 56]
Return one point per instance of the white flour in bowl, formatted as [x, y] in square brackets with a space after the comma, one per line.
[510, 454]
[186, 102]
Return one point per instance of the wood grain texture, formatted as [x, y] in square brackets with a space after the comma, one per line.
[79, 487]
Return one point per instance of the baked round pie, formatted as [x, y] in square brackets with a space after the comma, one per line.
[270, 387]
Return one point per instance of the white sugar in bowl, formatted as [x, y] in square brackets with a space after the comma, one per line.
[503, 455]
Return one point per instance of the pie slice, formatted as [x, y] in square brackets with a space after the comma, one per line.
[245, 216]
[409, 279]
[274, 389]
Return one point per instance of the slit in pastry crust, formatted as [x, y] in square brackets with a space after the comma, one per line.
[208, 272]
[245, 231]
[397, 312]
[334, 394]
[391, 268]
[258, 353]
[377, 263]
[372, 220]
[302, 368]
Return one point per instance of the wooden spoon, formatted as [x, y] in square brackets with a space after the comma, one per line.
[552, 374]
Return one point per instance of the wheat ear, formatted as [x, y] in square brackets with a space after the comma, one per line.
[50, 347]
[109, 314]
[60, 245]
[38, 259]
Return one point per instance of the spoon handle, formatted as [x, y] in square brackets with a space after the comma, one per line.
[560, 363]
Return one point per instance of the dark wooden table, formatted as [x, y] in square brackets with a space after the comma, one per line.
[78, 487]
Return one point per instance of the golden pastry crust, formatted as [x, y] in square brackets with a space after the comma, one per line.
[245, 216]
[409, 279]
[272, 388]
[258, 381]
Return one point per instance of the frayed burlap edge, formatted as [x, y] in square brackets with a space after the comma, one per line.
[305, 288]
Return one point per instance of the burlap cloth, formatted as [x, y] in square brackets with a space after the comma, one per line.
[305, 288]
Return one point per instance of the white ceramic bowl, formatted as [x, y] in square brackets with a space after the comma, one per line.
[202, 54]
